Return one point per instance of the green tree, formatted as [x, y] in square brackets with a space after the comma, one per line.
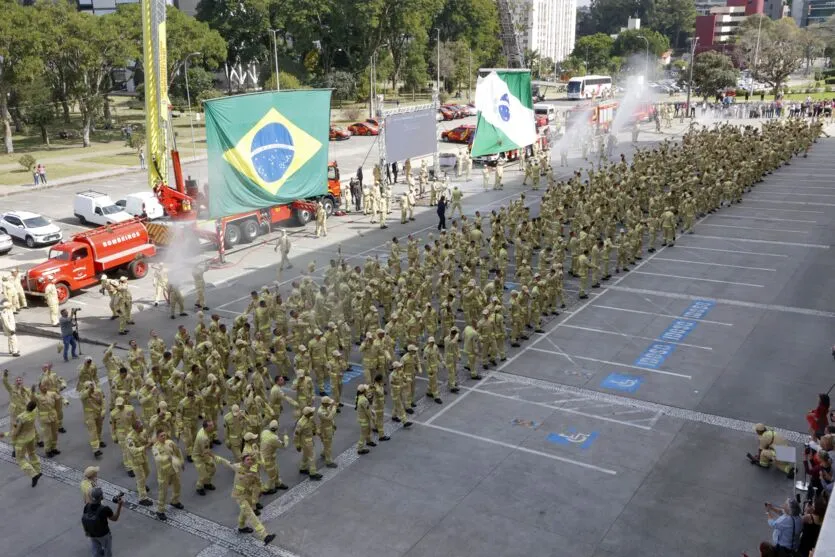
[343, 84]
[104, 47]
[285, 80]
[184, 35]
[415, 72]
[199, 80]
[20, 57]
[406, 21]
[136, 141]
[38, 108]
[630, 42]
[243, 24]
[712, 73]
[593, 51]
[609, 16]
[780, 51]
[675, 19]
[52, 19]
[477, 23]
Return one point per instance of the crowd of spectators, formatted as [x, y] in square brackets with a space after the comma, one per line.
[797, 523]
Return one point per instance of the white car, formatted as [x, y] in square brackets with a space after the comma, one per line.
[142, 204]
[32, 228]
[5, 243]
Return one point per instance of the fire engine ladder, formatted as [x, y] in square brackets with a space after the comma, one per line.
[511, 45]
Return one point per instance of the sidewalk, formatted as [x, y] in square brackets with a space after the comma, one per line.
[28, 188]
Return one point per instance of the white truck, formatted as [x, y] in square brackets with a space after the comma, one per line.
[97, 208]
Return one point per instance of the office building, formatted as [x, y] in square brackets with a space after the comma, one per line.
[550, 25]
[819, 11]
[717, 30]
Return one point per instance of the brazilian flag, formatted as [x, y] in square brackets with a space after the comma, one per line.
[266, 149]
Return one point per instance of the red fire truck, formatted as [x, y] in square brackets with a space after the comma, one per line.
[80, 262]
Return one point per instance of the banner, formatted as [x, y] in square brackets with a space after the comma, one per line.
[505, 112]
[266, 149]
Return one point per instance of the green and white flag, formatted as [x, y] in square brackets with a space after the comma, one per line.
[266, 149]
[505, 112]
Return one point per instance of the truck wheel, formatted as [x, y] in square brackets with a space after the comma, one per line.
[233, 236]
[63, 292]
[138, 269]
[265, 228]
[327, 202]
[82, 220]
[303, 216]
[249, 231]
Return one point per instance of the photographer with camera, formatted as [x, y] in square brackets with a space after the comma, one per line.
[68, 334]
[787, 525]
[94, 520]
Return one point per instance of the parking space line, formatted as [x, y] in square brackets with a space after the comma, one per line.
[671, 411]
[766, 186]
[752, 200]
[661, 315]
[782, 209]
[794, 193]
[758, 229]
[765, 219]
[714, 264]
[724, 301]
[517, 447]
[735, 251]
[556, 406]
[794, 244]
[617, 333]
[698, 278]
[616, 364]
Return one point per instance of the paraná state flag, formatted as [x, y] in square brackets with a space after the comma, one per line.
[505, 112]
[266, 149]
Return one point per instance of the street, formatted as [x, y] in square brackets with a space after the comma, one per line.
[620, 431]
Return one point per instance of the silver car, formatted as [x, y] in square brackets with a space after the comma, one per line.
[5, 243]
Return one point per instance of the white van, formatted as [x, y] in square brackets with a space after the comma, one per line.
[547, 110]
[97, 208]
[143, 204]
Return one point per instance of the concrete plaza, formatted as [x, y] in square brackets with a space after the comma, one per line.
[621, 431]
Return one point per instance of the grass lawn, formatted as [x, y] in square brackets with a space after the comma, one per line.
[20, 176]
[126, 158]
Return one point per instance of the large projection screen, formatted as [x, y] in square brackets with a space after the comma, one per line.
[410, 134]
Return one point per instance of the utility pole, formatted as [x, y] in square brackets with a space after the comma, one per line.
[693, 43]
[188, 101]
[470, 76]
[438, 65]
[756, 54]
[646, 59]
[275, 56]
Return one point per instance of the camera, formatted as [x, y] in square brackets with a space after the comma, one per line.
[118, 498]
[73, 311]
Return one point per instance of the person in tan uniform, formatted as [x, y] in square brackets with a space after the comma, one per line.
[303, 437]
[169, 461]
[246, 476]
[768, 440]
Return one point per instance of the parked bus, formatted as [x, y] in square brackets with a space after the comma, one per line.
[590, 87]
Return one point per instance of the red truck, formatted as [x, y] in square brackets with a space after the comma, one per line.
[240, 228]
[80, 262]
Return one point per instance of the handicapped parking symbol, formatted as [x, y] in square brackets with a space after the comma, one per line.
[573, 438]
[622, 382]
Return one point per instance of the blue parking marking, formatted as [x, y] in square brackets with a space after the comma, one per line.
[698, 309]
[654, 355]
[622, 382]
[572, 438]
[349, 375]
[678, 330]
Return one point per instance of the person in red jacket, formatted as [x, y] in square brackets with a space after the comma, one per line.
[818, 418]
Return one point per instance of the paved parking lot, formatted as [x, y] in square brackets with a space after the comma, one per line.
[621, 431]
